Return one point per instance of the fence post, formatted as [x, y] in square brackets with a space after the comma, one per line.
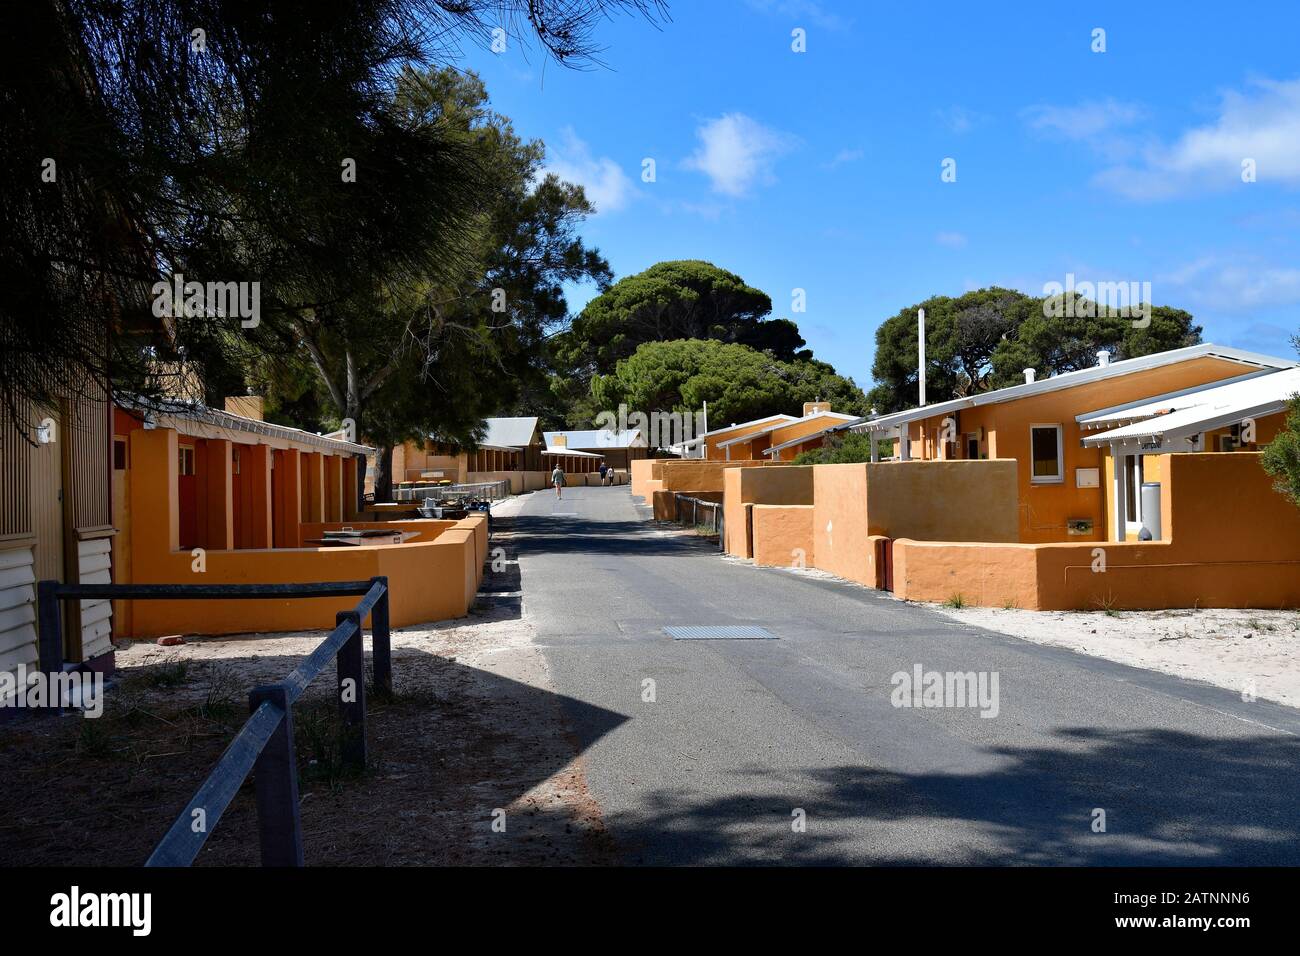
[275, 779]
[381, 649]
[352, 713]
[50, 622]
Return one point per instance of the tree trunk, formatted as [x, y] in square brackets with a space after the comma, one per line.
[384, 474]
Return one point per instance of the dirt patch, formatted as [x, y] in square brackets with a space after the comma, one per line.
[473, 728]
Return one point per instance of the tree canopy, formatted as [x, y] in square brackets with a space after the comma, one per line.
[152, 137]
[738, 382]
[1281, 457]
[680, 299]
[985, 339]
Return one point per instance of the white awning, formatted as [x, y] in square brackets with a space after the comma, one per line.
[1186, 415]
[561, 450]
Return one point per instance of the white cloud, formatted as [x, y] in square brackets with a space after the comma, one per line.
[603, 180]
[953, 240]
[959, 120]
[809, 10]
[1082, 121]
[844, 156]
[1231, 283]
[737, 152]
[1262, 124]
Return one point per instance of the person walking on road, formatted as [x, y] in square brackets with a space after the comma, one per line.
[557, 479]
[602, 472]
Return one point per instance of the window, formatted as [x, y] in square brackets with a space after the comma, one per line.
[1047, 465]
[119, 455]
[186, 464]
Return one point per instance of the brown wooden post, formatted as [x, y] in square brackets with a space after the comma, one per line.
[255, 467]
[287, 486]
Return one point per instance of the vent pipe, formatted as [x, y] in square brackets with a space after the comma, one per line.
[1029, 376]
[1103, 358]
[920, 354]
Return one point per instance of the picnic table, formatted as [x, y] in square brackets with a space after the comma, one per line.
[353, 537]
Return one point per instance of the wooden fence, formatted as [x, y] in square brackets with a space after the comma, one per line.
[264, 745]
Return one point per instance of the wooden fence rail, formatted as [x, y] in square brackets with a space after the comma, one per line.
[264, 746]
[688, 513]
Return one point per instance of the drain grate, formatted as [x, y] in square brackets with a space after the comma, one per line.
[719, 632]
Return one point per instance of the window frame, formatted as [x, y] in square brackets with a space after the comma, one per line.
[1059, 477]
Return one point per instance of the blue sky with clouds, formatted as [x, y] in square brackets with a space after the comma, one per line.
[821, 170]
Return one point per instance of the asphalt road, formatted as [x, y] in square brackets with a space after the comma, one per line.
[744, 739]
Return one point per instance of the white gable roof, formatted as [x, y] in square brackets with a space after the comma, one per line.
[1189, 413]
[599, 438]
[756, 421]
[509, 432]
[838, 417]
[1095, 373]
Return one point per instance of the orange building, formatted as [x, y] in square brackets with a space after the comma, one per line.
[770, 440]
[715, 450]
[1061, 479]
[204, 496]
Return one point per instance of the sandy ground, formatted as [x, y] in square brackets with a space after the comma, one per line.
[1247, 651]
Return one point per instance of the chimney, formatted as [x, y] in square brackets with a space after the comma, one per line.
[1029, 376]
[1103, 358]
[813, 408]
[247, 406]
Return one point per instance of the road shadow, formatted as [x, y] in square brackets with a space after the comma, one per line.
[1170, 799]
[543, 534]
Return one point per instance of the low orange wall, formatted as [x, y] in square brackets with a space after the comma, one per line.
[429, 580]
[925, 500]
[644, 471]
[790, 485]
[1230, 541]
[783, 535]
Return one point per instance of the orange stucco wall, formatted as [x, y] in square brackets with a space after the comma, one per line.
[929, 500]
[1231, 541]
[644, 471]
[783, 535]
[1045, 508]
[774, 486]
[433, 577]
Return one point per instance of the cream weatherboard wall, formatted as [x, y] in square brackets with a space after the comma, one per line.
[17, 609]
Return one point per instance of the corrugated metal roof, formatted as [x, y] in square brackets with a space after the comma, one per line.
[599, 438]
[1211, 407]
[174, 413]
[510, 432]
[1071, 379]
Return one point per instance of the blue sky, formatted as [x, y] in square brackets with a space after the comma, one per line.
[821, 170]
